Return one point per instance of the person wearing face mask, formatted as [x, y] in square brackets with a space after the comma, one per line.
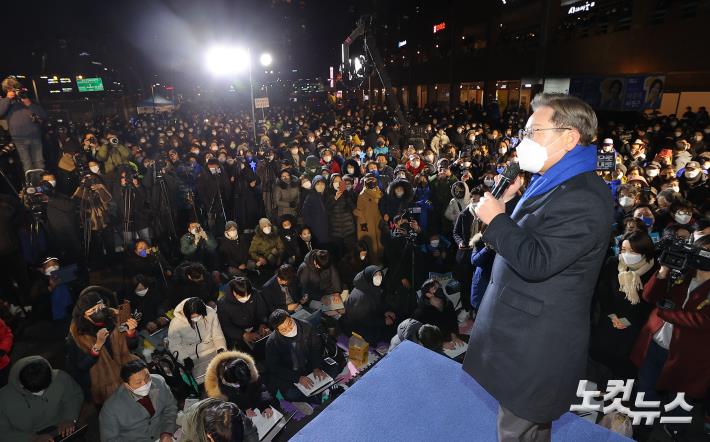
[99, 343]
[328, 160]
[435, 257]
[339, 205]
[113, 154]
[352, 168]
[415, 165]
[51, 299]
[233, 376]
[548, 255]
[433, 307]
[439, 140]
[266, 247]
[123, 416]
[365, 310]
[682, 213]
[243, 315]
[146, 260]
[319, 279]
[214, 194]
[234, 251]
[315, 213]
[286, 194]
[670, 341]
[368, 217]
[282, 291]
[293, 351]
[198, 245]
[695, 184]
[397, 199]
[628, 198]
[268, 171]
[622, 311]
[145, 295]
[195, 332]
[461, 198]
[248, 205]
[53, 401]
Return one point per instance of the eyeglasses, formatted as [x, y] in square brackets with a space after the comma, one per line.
[528, 133]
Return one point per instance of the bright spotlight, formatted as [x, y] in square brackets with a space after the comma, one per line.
[225, 60]
[266, 59]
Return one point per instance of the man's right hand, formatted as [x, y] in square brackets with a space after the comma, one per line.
[101, 337]
[512, 190]
[305, 382]
[11, 95]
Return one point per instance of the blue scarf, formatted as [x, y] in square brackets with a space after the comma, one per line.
[577, 161]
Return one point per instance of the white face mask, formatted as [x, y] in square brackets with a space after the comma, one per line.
[626, 201]
[231, 234]
[243, 299]
[292, 333]
[489, 182]
[377, 280]
[51, 270]
[652, 173]
[53, 183]
[682, 219]
[631, 258]
[676, 189]
[195, 318]
[142, 292]
[266, 230]
[531, 155]
[193, 231]
[142, 391]
[688, 174]
[94, 169]
[363, 256]
[434, 243]
[38, 393]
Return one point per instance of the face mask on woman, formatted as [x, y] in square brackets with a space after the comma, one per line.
[631, 258]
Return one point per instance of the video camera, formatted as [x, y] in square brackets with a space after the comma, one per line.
[679, 256]
[113, 140]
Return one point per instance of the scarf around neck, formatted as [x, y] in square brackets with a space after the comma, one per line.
[630, 278]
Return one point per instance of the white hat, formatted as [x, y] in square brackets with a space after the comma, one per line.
[608, 141]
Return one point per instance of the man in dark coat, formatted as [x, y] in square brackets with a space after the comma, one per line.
[243, 315]
[365, 309]
[532, 328]
[282, 290]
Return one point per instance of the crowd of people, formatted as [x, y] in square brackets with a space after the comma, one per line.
[256, 254]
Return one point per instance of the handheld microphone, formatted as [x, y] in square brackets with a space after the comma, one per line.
[506, 178]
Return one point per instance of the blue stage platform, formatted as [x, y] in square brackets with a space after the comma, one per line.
[414, 394]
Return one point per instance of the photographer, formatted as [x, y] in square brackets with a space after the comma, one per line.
[669, 351]
[198, 245]
[62, 228]
[112, 154]
[130, 197]
[24, 119]
[91, 145]
[400, 245]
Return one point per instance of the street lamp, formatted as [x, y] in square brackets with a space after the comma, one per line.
[227, 60]
[152, 93]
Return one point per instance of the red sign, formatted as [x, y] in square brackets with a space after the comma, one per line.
[168, 88]
[440, 27]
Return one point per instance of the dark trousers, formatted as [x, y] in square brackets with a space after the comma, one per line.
[512, 428]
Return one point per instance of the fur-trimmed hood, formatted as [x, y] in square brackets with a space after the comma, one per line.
[212, 381]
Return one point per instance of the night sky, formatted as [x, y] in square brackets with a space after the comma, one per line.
[145, 37]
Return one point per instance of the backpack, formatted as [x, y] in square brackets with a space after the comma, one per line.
[177, 376]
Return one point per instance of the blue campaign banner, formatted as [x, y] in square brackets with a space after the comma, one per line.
[635, 93]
